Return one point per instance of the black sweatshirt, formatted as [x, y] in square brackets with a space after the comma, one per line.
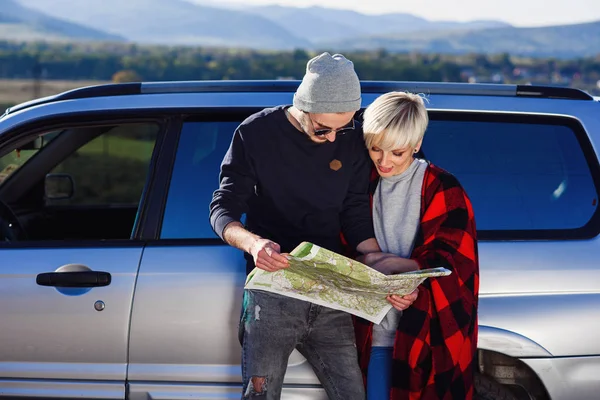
[291, 188]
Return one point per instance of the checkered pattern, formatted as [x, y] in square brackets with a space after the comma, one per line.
[436, 341]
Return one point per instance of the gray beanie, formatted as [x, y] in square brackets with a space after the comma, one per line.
[329, 86]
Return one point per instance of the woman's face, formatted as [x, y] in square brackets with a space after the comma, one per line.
[391, 162]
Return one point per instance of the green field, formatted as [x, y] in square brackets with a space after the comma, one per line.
[120, 147]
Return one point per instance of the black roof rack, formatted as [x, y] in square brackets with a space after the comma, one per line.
[472, 89]
[111, 89]
[552, 92]
[291, 85]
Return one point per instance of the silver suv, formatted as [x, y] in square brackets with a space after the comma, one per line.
[114, 286]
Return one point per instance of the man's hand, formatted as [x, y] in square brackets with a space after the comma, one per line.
[401, 303]
[265, 252]
[267, 255]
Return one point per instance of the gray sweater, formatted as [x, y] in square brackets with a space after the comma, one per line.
[396, 219]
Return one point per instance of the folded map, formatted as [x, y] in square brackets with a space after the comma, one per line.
[332, 280]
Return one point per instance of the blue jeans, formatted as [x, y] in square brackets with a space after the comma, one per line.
[272, 326]
[379, 377]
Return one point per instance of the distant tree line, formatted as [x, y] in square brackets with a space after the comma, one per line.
[77, 61]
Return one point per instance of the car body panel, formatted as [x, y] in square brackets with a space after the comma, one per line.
[539, 300]
[49, 334]
[568, 378]
[62, 389]
[538, 289]
[185, 318]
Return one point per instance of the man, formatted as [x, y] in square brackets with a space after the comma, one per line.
[299, 173]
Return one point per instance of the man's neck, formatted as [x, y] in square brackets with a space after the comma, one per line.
[293, 115]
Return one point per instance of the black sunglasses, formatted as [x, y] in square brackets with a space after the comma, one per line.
[325, 131]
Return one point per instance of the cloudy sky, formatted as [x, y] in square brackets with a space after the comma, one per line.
[516, 12]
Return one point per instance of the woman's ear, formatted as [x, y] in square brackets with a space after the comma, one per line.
[418, 146]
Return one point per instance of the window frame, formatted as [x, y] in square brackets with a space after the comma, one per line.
[168, 122]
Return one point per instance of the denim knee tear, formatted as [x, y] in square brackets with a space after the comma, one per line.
[256, 387]
[257, 313]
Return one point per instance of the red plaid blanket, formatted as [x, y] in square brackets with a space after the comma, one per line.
[436, 341]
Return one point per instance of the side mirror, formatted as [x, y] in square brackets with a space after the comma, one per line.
[59, 187]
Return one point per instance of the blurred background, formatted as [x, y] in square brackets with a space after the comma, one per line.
[49, 46]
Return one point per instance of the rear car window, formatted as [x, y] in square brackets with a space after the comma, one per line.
[525, 175]
[201, 148]
[528, 177]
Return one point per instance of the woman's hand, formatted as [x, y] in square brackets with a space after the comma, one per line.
[387, 264]
[390, 264]
[401, 303]
[371, 258]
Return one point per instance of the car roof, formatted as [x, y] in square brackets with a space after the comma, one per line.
[273, 86]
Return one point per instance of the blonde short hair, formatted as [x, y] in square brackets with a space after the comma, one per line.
[395, 120]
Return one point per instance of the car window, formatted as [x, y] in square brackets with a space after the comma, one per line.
[86, 183]
[202, 146]
[111, 169]
[521, 176]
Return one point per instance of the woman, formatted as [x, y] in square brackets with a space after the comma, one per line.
[423, 219]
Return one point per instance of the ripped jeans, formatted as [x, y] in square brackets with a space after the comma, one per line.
[272, 326]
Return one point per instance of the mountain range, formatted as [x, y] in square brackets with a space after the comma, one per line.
[207, 23]
[566, 41]
[320, 25]
[23, 23]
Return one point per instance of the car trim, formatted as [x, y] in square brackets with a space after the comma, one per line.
[154, 198]
[79, 244]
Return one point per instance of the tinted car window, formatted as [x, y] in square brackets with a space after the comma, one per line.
[519, 176]
[202, 146]
[110, 170]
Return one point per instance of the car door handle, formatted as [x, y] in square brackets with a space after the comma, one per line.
[78, 279]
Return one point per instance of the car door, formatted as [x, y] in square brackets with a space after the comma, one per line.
[184, 333]
[65, 304]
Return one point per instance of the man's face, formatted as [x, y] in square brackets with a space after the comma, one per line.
[323, 128]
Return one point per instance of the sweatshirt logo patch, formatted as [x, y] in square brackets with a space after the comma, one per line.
[335, 164]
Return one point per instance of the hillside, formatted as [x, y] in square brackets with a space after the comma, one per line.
[173, 22]
[577, 40]
[21, 23]
[320, 24]
[204, 23]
